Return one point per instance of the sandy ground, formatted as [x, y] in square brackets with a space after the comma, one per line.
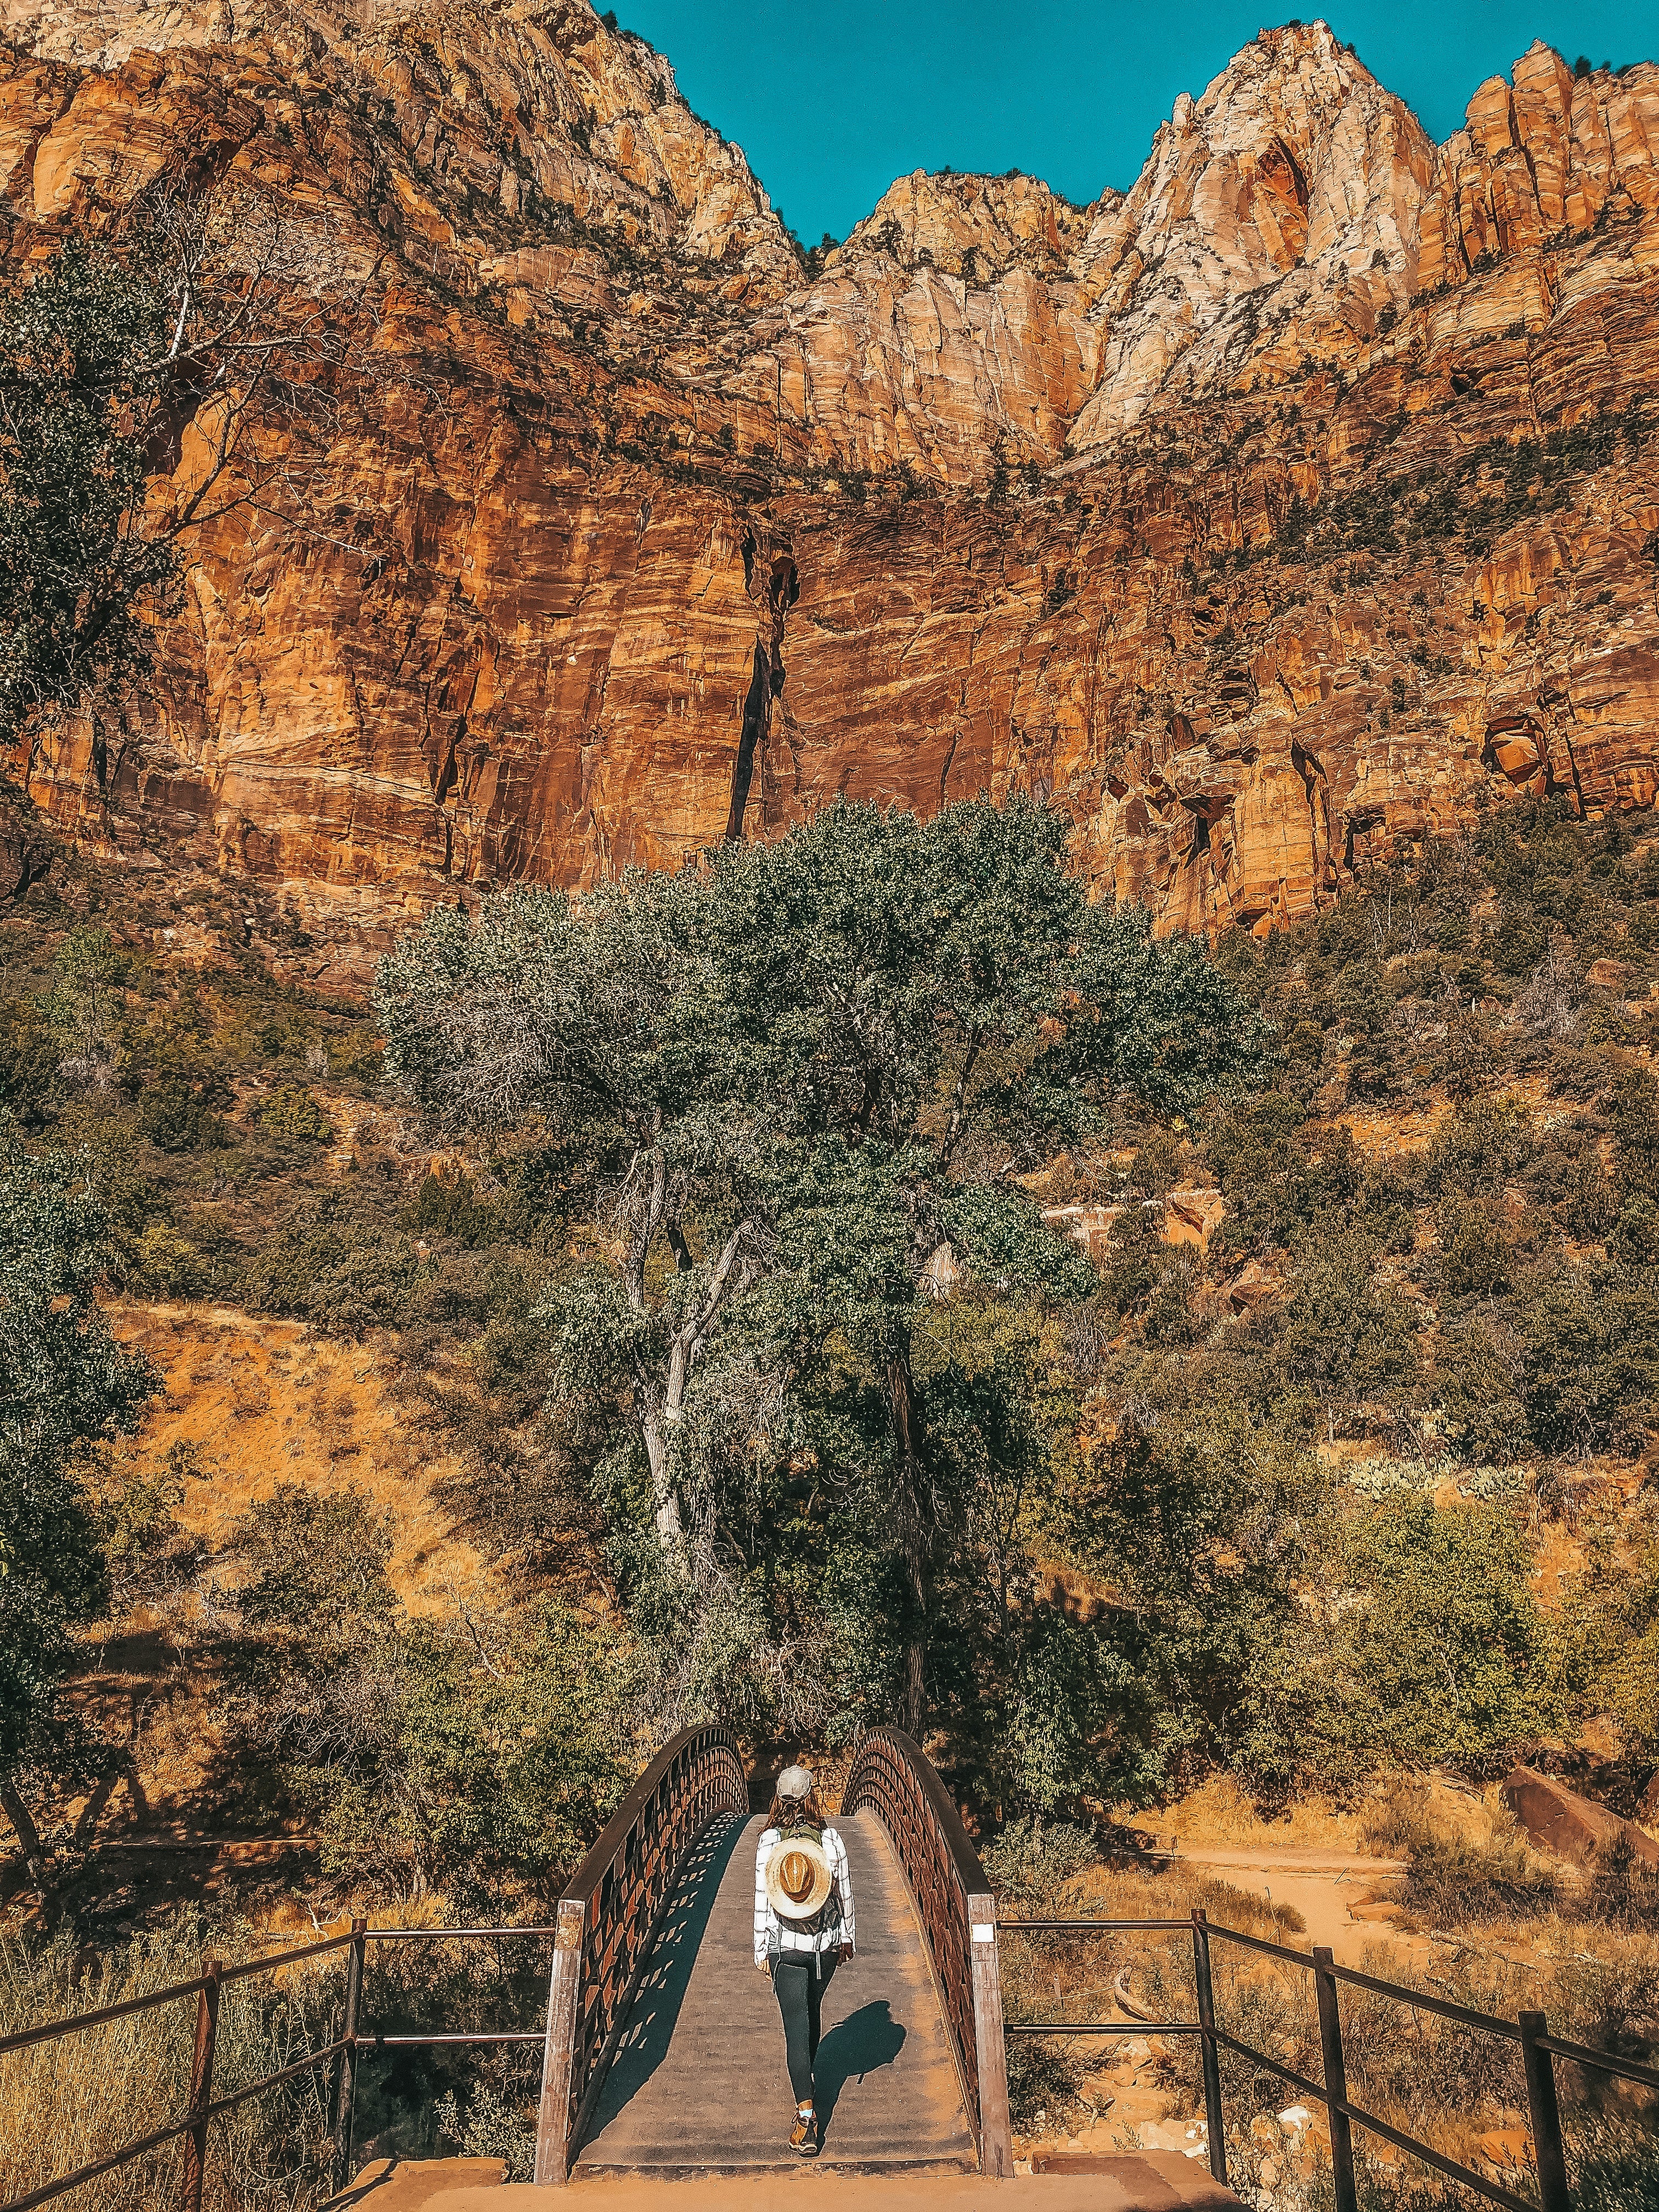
[1148, 2183]
[1342, 1896]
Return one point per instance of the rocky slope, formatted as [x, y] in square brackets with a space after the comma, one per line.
[1299, 500]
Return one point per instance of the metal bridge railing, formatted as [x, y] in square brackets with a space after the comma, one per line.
[892, 1775]
[1538, 2051]
[608, 1918]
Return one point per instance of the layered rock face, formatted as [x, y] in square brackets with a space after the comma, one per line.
[1299, 501]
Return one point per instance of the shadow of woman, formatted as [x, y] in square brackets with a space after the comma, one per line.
[867, 2039]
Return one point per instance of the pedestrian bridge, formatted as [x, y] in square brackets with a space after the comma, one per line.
[665, 2055]
[664, 2058]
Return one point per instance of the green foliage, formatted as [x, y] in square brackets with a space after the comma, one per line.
[30, 1060]
[800, 1069]
[1200, 1517]
[467, 1753]
[83, 346]
[1006, 1242]
[1343, 1336]
[292, 1112]
[145, 1549]
[1609, 1626]
[1045, 2081]
[1482, 1146]
[167, 1265]
[64, 1381]
[338, 1263]
[1570, 1369]
[491, 2124]
[1278, 1174]
[1430, 1646]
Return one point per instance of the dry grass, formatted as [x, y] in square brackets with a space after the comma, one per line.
[265, 1400]
[1450, 2086]
[70, 2102]
[1071, 1978]
[249, 1402]
[1222, 1813]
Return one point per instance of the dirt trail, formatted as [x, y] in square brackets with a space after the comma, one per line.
[1343, 1896]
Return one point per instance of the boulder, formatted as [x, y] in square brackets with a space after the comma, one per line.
[1571, 1826]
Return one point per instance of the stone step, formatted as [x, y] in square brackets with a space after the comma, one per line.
[1150, 2182]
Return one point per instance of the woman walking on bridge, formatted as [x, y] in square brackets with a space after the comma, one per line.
[803, 1929]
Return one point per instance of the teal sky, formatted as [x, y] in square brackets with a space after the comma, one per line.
[833, 99]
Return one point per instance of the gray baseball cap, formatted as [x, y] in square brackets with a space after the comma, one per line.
[795, 1782]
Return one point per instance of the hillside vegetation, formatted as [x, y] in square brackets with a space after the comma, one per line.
[1280, 1363]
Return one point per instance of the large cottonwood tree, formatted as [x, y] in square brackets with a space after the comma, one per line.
[810, 1063]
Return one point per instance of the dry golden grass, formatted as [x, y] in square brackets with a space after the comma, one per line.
[265, 1401]
[253, 1401]
[1058, 1976]
[70, 2102]
[1221, 1813]
[1450, 2087]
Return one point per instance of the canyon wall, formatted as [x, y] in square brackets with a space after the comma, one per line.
[1299, 501]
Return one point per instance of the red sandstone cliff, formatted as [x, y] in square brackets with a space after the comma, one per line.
[1292, 502]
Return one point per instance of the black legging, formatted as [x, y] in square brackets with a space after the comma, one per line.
[800, 1998]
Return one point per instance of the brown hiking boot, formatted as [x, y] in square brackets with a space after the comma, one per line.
[804, 2135]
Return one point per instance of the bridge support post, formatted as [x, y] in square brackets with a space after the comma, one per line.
[559, 2054]
[996, 2147]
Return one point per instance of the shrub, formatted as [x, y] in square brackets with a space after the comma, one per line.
[1034, 1859]
[167, 1265]
[490, 2124]
[1424, 1644]
[291, 1112]
[330, 1260]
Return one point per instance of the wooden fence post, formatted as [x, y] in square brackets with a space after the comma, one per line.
[996, 2148]
[1213, 2122]
[564, 1986]
[201, 2087]
[345, 2067]
[1336, 2081]
[1549, 2155]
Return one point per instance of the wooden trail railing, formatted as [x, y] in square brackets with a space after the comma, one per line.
[194, 2124]
[1539, 2051]
[608, 1918]
[893, 1777]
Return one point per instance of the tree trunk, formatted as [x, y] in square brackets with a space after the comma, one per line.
[20, 1818]
[34, 1855]
[664, 1394]
[665, 1504]
[912, 1527]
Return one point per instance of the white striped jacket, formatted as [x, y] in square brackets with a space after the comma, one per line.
[775, 1938]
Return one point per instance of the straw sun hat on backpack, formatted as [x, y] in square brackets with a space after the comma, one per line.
[798, 1879]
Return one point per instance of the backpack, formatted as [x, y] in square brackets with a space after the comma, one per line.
[830, 1915]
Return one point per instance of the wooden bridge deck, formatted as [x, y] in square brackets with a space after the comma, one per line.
[698, 2085]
